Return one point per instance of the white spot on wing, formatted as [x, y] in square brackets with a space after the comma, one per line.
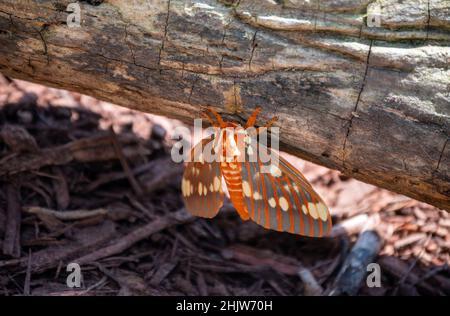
[272, 202]
[283, 203]
[217, 183]
[313, 210]
[246, 189]
[275, 171]
[322, 210]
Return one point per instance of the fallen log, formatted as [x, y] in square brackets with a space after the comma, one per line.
[358, 86]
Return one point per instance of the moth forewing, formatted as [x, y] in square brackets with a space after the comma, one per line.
[210, 154]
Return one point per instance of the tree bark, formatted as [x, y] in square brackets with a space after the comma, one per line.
[373, 102]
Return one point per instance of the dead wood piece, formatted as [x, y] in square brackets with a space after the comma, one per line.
[162, 272]
[401, 270]
[66, 215]
[11, 241]
[61, 189]
[409, 240]
[350, 226]
[284, 265]
[114, 176]
[163, 172]
[275, 286]
[312, 287]
[235, 268]
[85, 240]
[53, 224]
[138, 234]
[96, 148]
[2, 223]
[443, 282]
[138, 205]
[258, 257]
[123, 161]
[354, 268]
[201, 284]
[27, 283]
[18, 139]
[130, 283]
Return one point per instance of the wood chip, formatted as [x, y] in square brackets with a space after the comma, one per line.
[11, 242]
[66, 215]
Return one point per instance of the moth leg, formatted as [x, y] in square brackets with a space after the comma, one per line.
[270, 122]
[267, 125]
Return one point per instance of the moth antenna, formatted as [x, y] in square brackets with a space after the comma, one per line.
[218, 117]
[205, 115]
[252, 119]
[270, 122]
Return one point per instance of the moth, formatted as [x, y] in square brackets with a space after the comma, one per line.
[271, 192]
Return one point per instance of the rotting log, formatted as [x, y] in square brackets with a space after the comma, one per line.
[373, 102]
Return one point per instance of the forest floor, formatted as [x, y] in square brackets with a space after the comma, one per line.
[89, 182]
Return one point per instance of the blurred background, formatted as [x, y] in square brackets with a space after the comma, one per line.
[87, 181]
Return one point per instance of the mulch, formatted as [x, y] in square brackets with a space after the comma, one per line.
[86, 181]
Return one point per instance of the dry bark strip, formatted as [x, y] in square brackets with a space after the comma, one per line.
[11, 242]
[66, 215]
[372, 102]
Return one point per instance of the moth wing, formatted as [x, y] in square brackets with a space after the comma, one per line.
[201, 184]
[279, 197]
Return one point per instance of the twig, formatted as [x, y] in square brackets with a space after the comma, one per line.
[86, 239]
[411, 239]
[349, 226]
[400, 269]
[11, 242]
[284, 265]
[201, 284]
[413, 264]
[105, 178]
[431, 273]
[18, 139]
[139, 234]
[66, 215]
[162, 272]
[26, 286]
[126, 168]
[261, 258]
[312, 287]
[61, 189]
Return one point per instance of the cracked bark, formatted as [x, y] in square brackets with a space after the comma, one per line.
[386, 122]
[354, 112]
[166, 25]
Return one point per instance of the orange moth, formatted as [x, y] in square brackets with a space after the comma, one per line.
[271, 192]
